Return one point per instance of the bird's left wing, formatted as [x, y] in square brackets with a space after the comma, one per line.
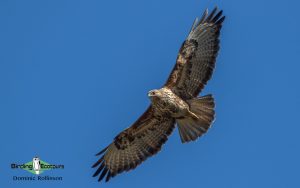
[134, 145]
[197, 56]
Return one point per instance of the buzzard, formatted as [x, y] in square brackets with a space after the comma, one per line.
[177, 102]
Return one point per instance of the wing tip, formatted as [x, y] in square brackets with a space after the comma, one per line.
[102, 168]
[102, 151]
[211, 15]
[108, 176]
[98, 162]
[204, 15]
[215, 16]
[104, 172]
[220, 21]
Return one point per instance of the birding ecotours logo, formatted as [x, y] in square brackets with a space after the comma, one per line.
[36, 166]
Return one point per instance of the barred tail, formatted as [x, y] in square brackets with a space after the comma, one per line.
[190, 127]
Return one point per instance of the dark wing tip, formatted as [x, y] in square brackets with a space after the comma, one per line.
[98, 162]
[99, 169]
[102, 151]
[104, 172]
[215, 16]
[102, 168]
[211, 15]
[204, 15]
[218, 18]
[108, 176]
[220, 21]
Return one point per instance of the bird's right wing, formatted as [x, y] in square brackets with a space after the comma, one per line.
[134, 145]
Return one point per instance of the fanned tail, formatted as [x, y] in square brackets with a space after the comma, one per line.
[191, 127]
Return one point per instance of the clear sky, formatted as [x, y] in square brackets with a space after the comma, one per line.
[73, 74]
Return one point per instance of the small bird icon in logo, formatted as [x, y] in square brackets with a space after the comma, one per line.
[36, 165]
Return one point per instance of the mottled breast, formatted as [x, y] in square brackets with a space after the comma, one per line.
[169, 103]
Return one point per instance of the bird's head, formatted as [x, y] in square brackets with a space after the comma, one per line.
[153, 93]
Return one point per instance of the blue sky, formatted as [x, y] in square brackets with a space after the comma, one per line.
[73, 74]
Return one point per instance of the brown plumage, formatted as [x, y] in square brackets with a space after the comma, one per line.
[177, 102]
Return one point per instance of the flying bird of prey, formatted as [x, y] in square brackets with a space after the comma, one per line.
[177, 102]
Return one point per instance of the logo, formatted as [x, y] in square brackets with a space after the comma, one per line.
[37, 167]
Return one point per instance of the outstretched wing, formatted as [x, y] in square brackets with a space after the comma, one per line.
[134, 145]
[197, 55]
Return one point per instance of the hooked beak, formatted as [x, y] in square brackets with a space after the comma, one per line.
[151, 93]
